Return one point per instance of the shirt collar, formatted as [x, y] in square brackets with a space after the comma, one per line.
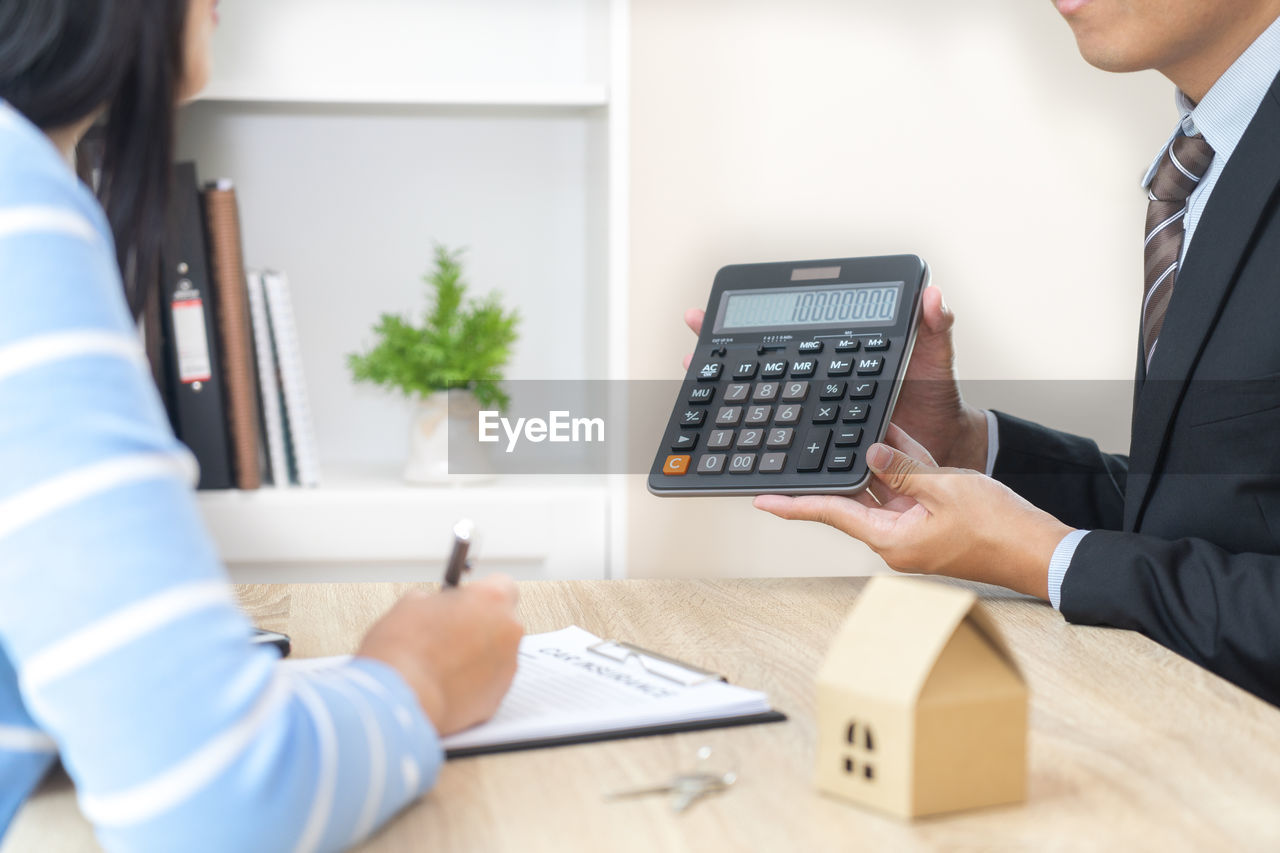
[1224, 113]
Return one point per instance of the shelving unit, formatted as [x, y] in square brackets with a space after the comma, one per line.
[360, 134]
[479, 96]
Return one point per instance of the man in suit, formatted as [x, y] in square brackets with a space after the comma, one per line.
[1180, 540]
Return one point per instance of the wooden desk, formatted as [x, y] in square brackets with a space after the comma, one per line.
[1131, 746]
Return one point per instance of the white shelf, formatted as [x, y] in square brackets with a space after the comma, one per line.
[360, 133]
[462, 95]
[363, 520]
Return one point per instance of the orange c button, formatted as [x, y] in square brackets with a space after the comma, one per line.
[676, 465]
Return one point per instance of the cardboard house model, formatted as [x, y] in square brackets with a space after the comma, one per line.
[921, 709]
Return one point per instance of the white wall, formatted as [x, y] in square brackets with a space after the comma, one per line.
[970, 133]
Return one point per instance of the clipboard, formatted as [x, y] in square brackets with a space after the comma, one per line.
[619, 734]
[573, 653]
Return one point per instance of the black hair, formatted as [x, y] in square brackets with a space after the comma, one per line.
[62, 61]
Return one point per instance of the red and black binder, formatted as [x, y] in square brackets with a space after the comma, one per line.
[188, 316]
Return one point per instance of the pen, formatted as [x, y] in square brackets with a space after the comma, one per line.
[458, 563]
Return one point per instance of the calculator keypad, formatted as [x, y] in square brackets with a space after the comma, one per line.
[801, 409]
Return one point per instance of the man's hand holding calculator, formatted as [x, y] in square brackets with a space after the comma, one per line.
[922, 517]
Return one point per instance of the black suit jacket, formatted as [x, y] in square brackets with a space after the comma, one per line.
[1186, 547]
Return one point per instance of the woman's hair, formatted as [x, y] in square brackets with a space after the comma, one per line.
[61, 61]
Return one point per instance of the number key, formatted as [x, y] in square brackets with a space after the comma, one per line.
[719, 439]
[711, 463]
[749, 439]
[788, 414]
[728, 416]
[765, 391]
[736, 392]
[795, 392]
[742, 463]
[758, 414]
[781, 437]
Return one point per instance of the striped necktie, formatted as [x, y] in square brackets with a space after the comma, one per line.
[1181, 167]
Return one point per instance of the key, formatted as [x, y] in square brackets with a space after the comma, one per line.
[685, 789]
[682, 784]
[697, 787]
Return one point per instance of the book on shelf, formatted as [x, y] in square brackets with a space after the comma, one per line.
[224, 349]
[279, 459]
[293, 385]
[194, 386]
[235, 335]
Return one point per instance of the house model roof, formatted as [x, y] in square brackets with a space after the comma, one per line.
[895, 634]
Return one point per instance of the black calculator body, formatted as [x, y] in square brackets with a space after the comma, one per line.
[796, 373]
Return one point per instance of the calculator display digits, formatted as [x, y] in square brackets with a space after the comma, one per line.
[795, 375]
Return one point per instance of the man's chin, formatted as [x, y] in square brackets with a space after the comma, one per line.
[1107, 57]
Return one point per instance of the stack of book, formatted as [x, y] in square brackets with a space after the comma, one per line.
[223, 346]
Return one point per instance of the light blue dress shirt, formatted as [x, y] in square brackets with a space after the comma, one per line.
[1222, 116]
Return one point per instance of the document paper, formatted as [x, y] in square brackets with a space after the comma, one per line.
[563, 689]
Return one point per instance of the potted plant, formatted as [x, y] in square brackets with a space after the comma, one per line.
[451, 366]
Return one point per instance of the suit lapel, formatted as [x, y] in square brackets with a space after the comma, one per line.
[1205, 279]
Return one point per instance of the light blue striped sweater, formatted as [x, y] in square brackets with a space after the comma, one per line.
[121, 649]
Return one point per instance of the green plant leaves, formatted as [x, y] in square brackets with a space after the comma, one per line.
[461, 344]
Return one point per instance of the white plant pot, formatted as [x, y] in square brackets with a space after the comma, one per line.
[435, 418]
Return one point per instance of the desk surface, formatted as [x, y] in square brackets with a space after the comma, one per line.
[1131, 746]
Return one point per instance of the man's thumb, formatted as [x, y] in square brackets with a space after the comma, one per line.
[898, 470]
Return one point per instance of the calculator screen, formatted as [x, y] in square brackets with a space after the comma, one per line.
[844, 305]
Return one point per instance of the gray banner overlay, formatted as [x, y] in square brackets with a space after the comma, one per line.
[617, 427]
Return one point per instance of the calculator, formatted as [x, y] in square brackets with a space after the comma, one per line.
[795, 374]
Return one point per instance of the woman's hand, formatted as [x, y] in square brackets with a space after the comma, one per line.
[456, 649]
[948, 521]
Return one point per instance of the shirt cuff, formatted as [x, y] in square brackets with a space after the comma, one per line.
[993, 441]
[1060, 562]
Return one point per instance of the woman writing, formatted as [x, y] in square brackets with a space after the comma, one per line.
[121, 648]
